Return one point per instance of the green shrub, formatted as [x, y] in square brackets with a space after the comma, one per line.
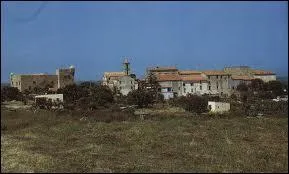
[140, 97]
[191, 103]
[11, 93]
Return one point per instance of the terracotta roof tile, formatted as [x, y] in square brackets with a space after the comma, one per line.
[195, 77]
[215, 72]
[189, 72]
[262, 72]
[168, 77]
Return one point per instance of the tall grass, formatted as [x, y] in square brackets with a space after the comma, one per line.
[61, 142]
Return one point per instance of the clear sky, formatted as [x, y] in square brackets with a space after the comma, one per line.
[39, 37]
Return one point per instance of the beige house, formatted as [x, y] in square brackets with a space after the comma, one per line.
[193, 82]
[266, 76]
[218, 82]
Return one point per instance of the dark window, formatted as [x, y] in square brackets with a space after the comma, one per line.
[221, 77]
[192, 84]
[217, 87]
[184, 84]
[57, 99]
[34, 82]
[200, 87]
[209, 87]
[12, 83]
[169, 89]
[217, 76]
[131, 88]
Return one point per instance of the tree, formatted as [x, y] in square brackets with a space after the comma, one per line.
[192, 103]
[257, 85]
[242, 87]
[276, 87]
[102, 95]
[140, 97]
[72, 93]
[11, 93]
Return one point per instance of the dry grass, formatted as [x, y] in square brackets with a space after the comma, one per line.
[50, 142]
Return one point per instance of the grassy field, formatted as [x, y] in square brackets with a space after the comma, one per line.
[60, 142]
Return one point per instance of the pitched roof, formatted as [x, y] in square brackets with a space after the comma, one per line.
[189, 72]
[262, 72]
[116, 74]
[239, 77]
[215, 72]
[195, 77]
[168, 77]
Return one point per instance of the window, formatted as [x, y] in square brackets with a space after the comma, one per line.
[131, 82]
[29, 87]
[169, 89]
[12, 83]
[184, 84]
[119, 82]
[200, 87]
[221, 77]
[179, 88]
[217, 87]
[209, 77]
[192, 84]
[192, 90]
[34, 83]
[209, 87]
[131, 88]
[57, 99]
[217, 76]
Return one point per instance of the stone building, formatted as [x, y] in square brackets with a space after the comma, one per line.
[126, 84]
[124, 81]
[266, 76]
[63, 77]
[218, 82]
[169, 80]
[193, 82]
[249, 73]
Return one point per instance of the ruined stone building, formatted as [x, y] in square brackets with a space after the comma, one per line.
[63, 77]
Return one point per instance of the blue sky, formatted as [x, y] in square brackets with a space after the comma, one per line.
[95, 36]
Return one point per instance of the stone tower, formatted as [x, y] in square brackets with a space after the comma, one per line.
[65, 76]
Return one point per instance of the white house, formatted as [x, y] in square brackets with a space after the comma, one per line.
[218, 106]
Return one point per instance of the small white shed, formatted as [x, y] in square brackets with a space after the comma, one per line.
[53, 97]
[218, 106]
